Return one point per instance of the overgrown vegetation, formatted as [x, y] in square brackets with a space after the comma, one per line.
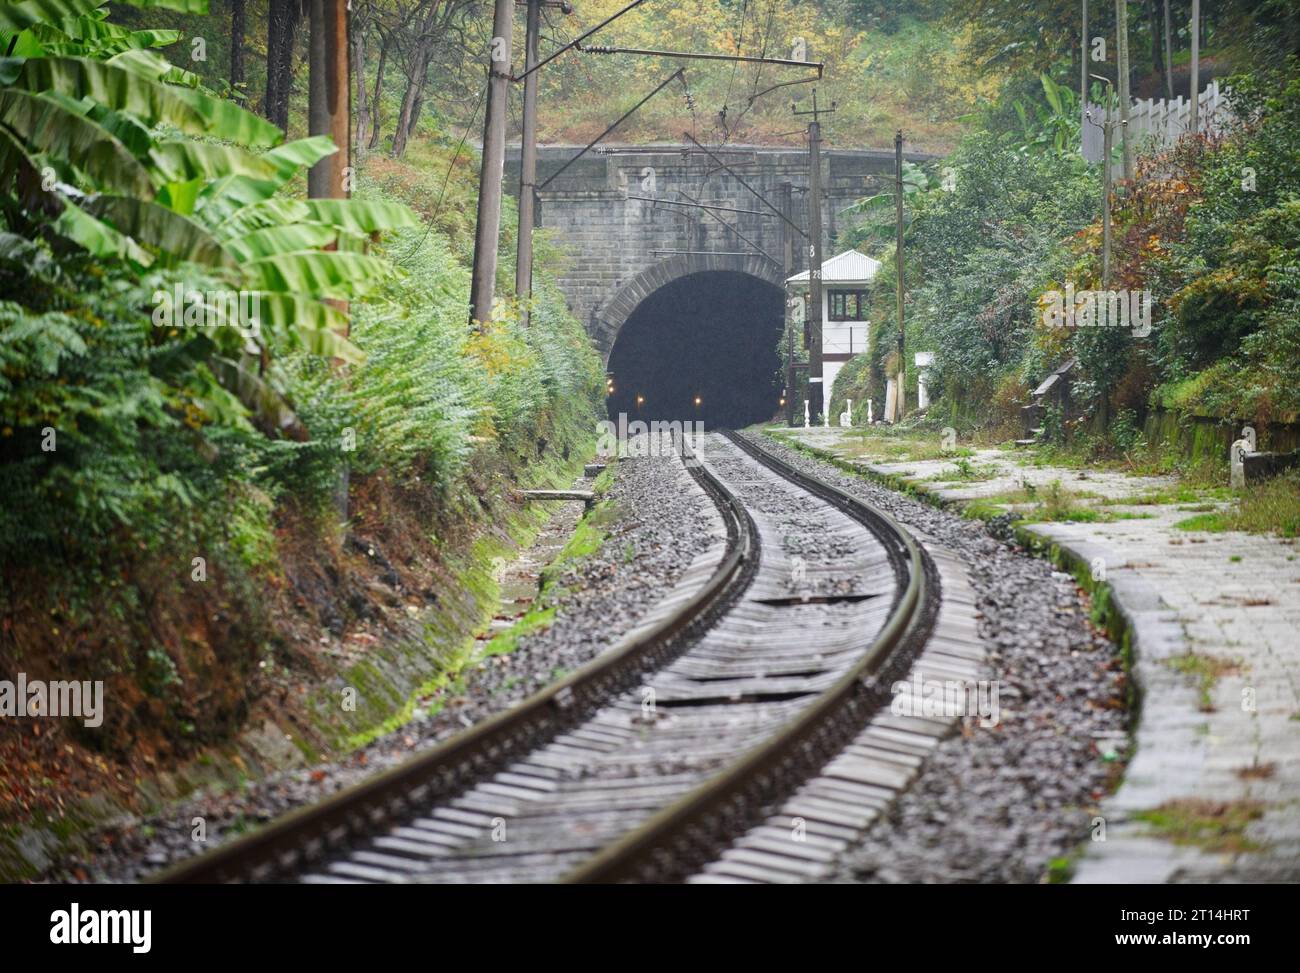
[215, 392]
[1209, 227]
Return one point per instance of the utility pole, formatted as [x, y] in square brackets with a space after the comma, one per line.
[487, 230]
[787, 266]
[528, 163]
[1107, 141]
[1107, 146]
[1121, 35]
[817, 395]
[1196, 66]
[901, 397]
[528, 154]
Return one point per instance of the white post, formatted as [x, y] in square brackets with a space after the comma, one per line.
[1237, 477]
[846, 417]
[924, 359]
[891, 399]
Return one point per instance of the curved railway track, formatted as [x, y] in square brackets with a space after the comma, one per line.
[645, 763]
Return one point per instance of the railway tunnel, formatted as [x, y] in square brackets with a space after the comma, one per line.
[701, 347]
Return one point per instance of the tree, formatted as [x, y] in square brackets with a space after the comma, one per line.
[282, 19]
[237, 12]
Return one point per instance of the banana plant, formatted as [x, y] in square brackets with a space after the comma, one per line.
[879, 210]
[107, 146]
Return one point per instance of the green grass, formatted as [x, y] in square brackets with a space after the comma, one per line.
[534, 620]
[1271, 507]
[963, 472]
[1207, 670]
[1218, 827]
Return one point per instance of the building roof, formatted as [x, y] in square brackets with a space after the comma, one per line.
[849, 267]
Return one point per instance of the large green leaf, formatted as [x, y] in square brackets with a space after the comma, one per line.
[266, 212]
[318, 273]
[273, 412]
[155, 67]
[292, 156]
[281, 239]
[229, 195]
[227, 120]
[361, 215]
[97, 237]
[125, 128]
[19, 16]
[92, 35]
[158, 227]
[122, 90]
[184, 6]
[288, 313]
[329, 344]
[52, 128]
[293, 323]
[182, 160]
[19, 169]
[113, 87]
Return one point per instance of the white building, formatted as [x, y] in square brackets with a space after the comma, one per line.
[845, 280]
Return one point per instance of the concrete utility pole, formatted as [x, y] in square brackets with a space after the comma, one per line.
[817, 395]
[787, 266]
[901, 398]
[528, 162]
[1107, 141]
[528, 152]
[1107, 145]
[329, 106]
[1196, 66]
[487, 230]
[1121, 35]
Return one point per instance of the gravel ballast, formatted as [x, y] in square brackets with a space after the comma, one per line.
[998, 805]
[658, 521]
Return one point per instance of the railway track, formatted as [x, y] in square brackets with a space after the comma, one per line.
[683, 738]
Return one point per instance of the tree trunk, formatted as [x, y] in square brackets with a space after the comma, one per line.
[379, 89]
[237, 42]
[1153, 19]
[328, 107]
[419, 68]
[282, 22]
[415, 112]
[1169, 57]
[358, 54]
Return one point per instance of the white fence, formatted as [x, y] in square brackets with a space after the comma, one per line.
[1156, 124]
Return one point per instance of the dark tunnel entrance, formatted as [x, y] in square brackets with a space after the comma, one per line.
[701, 347]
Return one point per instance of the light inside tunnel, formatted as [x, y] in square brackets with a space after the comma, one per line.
[703, 347]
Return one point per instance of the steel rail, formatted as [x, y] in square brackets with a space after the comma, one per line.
[294, 840]
[688, 833]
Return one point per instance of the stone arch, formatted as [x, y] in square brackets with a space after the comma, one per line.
[607, 320]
